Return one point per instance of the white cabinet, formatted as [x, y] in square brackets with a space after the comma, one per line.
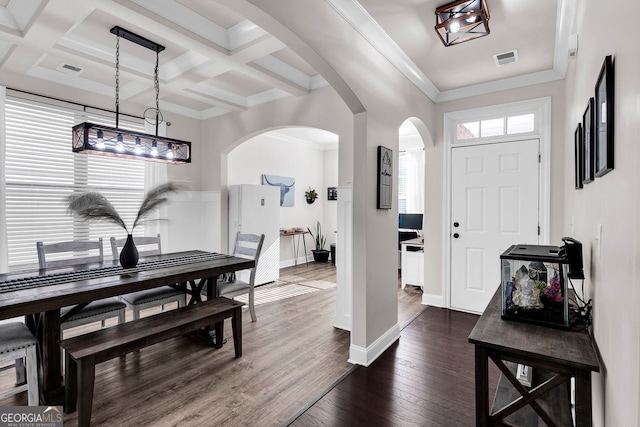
[412, 262]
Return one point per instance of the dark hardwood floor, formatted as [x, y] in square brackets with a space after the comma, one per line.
[291, 357]
[425, 379]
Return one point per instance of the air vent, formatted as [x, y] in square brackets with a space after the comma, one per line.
[70, 69]
[505, 58]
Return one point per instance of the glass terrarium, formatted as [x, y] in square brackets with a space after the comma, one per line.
[534, 285]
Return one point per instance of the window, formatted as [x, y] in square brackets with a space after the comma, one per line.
[498, 126]
[41, 171]
[402, 182]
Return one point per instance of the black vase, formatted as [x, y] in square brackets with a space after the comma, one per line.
[129, 253]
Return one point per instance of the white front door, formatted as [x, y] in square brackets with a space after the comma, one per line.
[494, 204]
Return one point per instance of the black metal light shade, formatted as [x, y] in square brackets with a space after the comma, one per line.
[461, 21]
[104, 140]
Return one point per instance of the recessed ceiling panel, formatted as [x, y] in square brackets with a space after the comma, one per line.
[93, 33]
[236, 82]
[213, 11]
[527, 26]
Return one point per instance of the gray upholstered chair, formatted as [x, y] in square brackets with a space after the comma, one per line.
[246, 246]
[99, 310]
[148, 298]
[18, 344]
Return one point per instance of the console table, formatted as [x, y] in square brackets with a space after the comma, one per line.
[556, 354]
[296, 245]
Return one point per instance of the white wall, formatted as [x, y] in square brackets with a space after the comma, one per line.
[613, 202]
[308, 164]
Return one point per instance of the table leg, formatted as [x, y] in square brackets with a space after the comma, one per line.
[583, 399]
[50, 355]
[304, 243]
[482, 386]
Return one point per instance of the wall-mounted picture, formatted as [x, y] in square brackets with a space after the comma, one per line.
[332, 193]
[385, 177]
[287, 187]
[579, 156]
[587, 143]
[603, 119]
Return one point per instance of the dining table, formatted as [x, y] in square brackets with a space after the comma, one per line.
[39, 294]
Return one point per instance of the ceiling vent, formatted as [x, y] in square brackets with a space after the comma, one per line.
[505, 58]
[69, 69]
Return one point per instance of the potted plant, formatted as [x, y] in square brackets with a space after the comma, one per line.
[320, 254]
[310, 195]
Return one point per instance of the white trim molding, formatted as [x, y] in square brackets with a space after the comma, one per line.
[433, 300]
[366, 356]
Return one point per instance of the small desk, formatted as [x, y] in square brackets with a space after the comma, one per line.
[412, 259]
[50, 290]
[563, 354]
[296, 245]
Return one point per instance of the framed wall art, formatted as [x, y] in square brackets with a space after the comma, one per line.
[603, 119]
[385, 177]
[332, 193]
[286, 185]
[579, 156]
[587, 143]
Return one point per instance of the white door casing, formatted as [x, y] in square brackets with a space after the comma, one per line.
[495, 203]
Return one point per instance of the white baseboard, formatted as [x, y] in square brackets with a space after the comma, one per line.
[366, 356]
[433, 300]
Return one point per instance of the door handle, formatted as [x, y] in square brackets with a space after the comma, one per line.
[456, 224]
[456, 235]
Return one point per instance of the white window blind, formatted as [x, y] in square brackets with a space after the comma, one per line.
[41, 171]
[402, 182]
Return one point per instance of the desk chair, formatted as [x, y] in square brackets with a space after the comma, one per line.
[17, 343]
[246, 246]
[102, 309]
[148, 298]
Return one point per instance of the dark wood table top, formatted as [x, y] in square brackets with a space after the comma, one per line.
[49, 296]
[568, 348]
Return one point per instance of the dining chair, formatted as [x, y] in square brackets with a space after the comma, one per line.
[148, 298]
[101, 309]
[18, 344]
[246, 246]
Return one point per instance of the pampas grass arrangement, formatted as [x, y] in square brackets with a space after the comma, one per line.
[93, 206]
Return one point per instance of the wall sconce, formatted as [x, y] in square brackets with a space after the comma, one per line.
[91, 138]
[461, 21]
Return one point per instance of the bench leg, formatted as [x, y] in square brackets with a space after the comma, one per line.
[70, 384]
[219, 328]
[86, 380]
[236, 326]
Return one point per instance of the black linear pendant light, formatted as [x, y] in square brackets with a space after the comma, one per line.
[91, 138]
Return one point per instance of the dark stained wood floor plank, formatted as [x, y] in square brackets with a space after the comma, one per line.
[424, 379]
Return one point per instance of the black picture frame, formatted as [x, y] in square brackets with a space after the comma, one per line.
[332, 193]
[603, 119]
[579, 157]
[385, 178]
[587, 143]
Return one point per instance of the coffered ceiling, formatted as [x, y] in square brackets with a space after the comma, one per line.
[217, 62]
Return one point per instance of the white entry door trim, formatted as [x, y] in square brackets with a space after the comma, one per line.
[541, 108]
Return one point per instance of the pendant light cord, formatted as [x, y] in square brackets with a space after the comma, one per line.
[117, 79]
[156, 82]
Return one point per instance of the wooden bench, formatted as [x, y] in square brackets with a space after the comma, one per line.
[85, 351]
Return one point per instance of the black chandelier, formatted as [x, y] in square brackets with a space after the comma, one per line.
[91, 138]
[461, 21]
